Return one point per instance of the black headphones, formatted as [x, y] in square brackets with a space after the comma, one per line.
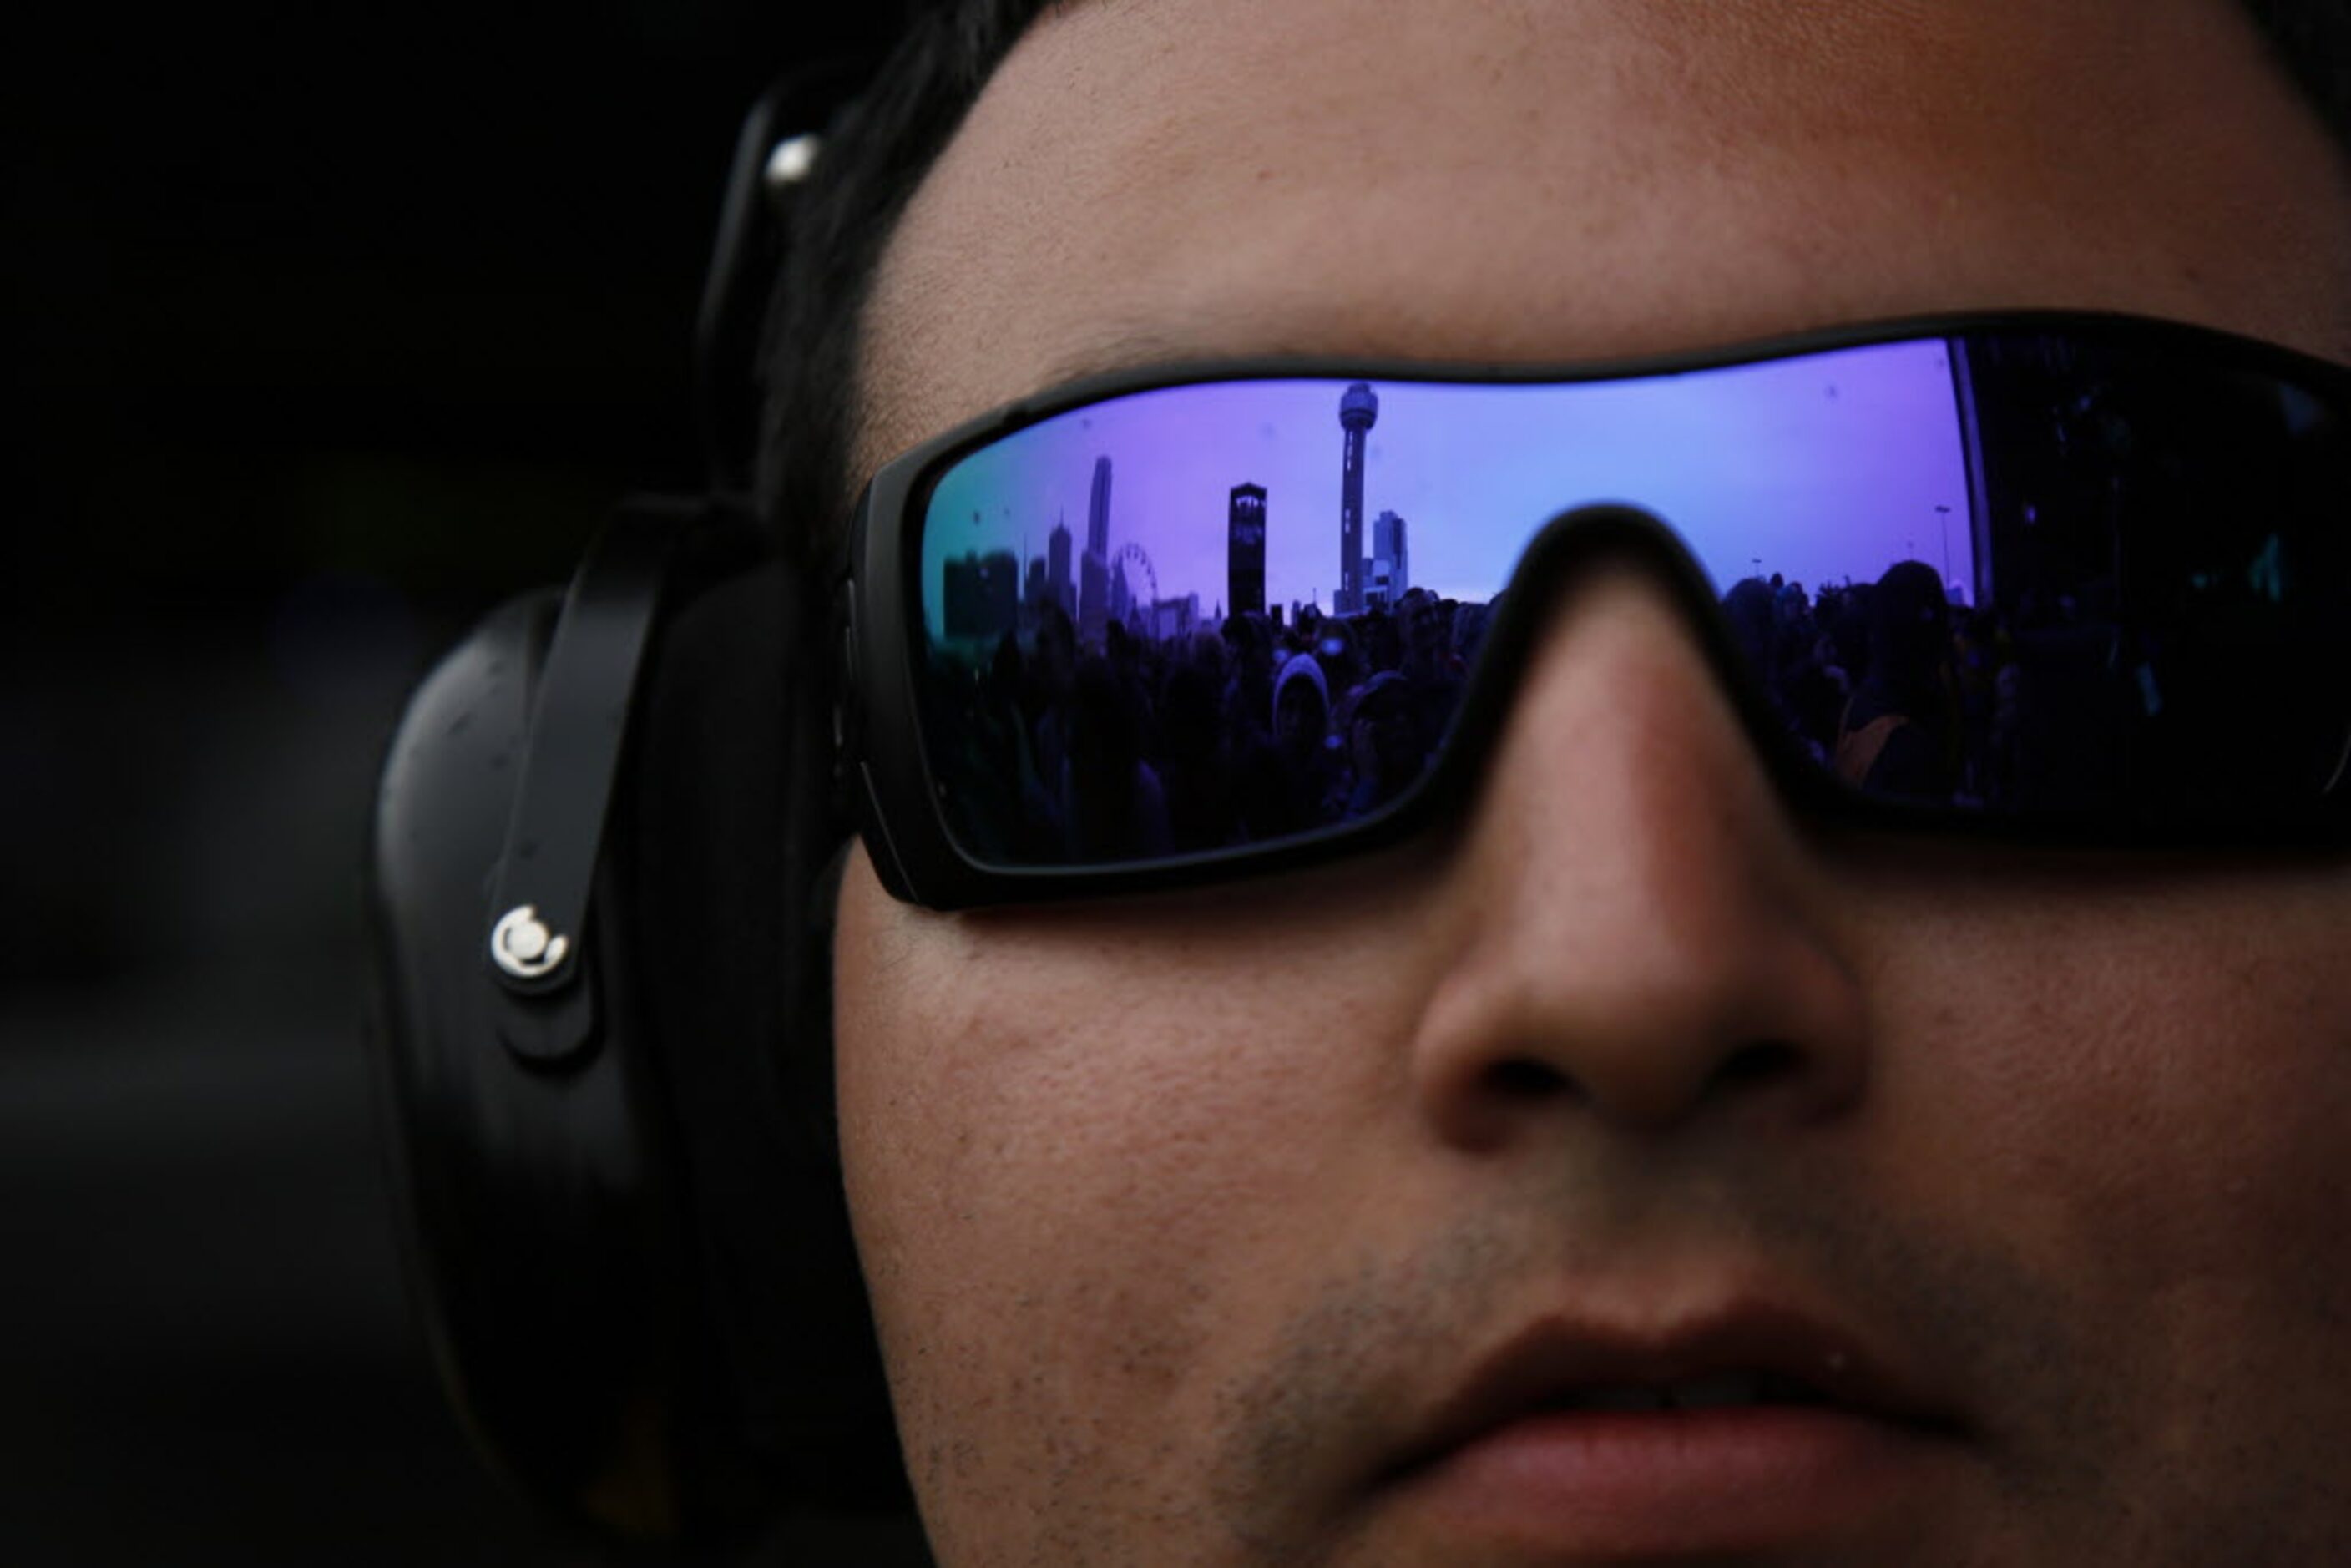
[599, 909]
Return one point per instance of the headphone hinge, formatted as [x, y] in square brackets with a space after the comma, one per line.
[540, 887]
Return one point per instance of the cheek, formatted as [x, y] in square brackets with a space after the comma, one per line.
[1090, 1152]
[2155, 1096]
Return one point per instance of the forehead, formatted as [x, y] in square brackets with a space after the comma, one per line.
[1487, 180]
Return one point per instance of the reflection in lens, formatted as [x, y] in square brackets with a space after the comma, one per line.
[2008, 573]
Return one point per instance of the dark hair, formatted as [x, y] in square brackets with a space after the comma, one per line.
[878, 149]
[874, 154]
[2312, 40]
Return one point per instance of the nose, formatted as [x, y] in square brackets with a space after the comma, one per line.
[1637, 930]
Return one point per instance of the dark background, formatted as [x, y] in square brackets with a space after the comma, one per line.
[325, 328]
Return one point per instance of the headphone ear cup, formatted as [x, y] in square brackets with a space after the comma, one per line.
[634, 1260]
[542, 1228]
[730, 831]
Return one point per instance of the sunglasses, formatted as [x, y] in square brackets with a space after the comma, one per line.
[2063, 579]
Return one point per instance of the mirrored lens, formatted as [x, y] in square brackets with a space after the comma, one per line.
[1998, 574]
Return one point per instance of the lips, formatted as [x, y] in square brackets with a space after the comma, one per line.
[1745, 1357]
[1752, 1428]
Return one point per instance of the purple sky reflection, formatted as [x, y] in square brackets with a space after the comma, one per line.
[1825, 468]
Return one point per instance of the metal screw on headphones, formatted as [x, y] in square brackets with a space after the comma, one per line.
[526, 949]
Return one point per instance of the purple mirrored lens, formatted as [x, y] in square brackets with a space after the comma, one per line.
[1202, 617]
[1182, 506]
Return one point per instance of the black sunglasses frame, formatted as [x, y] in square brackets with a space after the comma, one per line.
[881, 752]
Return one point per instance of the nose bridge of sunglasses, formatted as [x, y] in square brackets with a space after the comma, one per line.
[1566, 555]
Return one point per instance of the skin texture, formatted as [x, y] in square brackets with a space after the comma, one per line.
[1177, 1213]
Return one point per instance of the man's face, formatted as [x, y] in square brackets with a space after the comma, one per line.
[1188, 1218]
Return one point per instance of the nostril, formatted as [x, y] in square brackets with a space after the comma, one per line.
[1521, 1078]
[1528, 1078]
[1758, 1062]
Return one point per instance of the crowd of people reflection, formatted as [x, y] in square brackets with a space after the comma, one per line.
[1065, 749]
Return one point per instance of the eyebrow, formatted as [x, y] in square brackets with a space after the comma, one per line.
[1137, 345]
[1125, 348]
[883, 431]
